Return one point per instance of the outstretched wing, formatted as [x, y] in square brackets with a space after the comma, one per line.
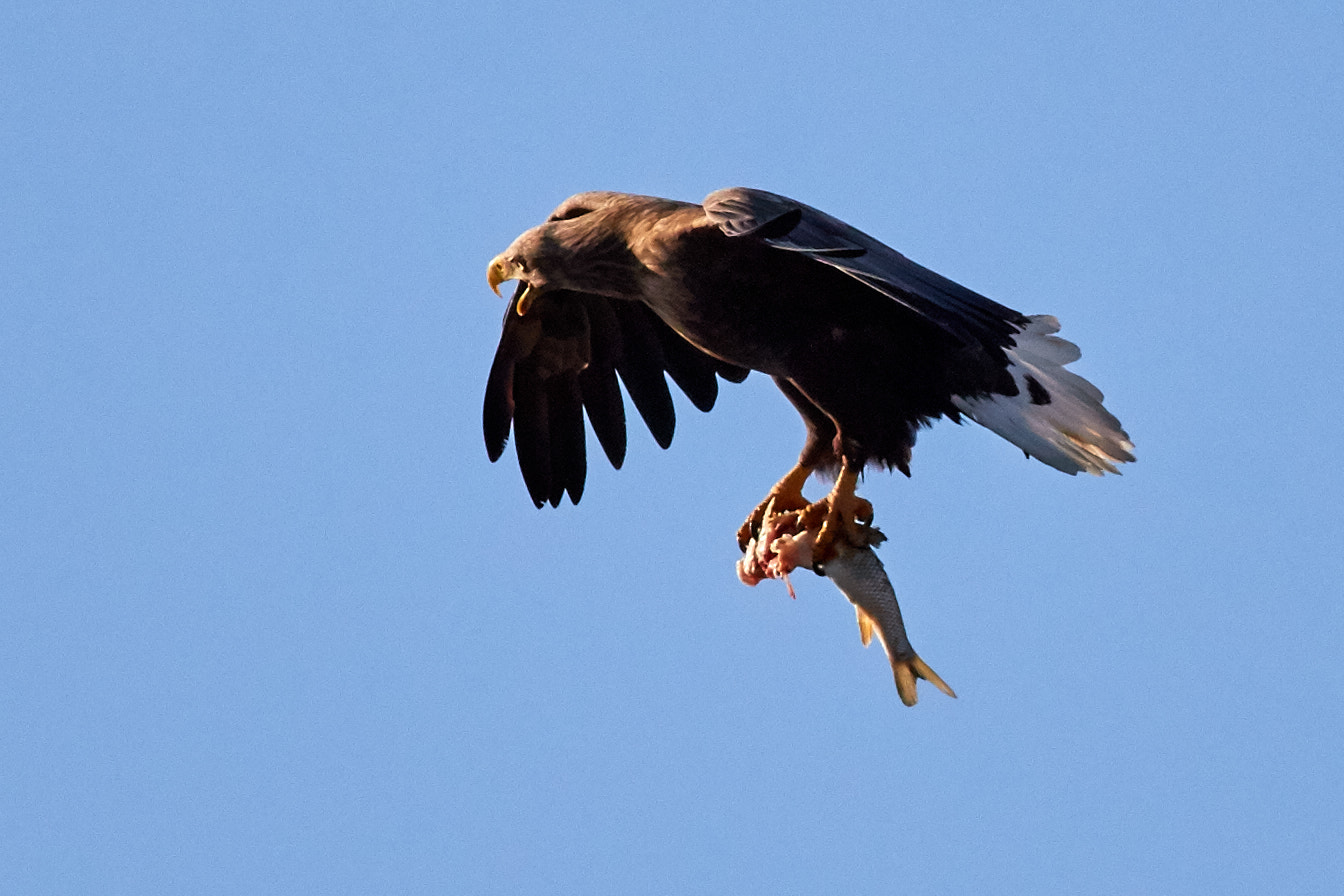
[1046, 410]
[787, 224]
[564, 357]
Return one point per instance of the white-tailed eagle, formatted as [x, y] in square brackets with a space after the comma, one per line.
[866, 344]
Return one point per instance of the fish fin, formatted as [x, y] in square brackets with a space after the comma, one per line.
[865, 626]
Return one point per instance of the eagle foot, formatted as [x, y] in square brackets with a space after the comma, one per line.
[841, 516]
[786, 496]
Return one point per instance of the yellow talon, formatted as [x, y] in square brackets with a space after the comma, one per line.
[841, 514]
[786, 495]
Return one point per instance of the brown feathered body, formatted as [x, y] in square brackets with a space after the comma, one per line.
[867, 345]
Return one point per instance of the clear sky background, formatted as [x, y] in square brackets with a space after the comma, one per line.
[271, 623]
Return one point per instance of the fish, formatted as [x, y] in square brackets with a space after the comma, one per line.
[783, 546]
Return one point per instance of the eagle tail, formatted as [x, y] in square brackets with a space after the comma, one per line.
[1056, 416]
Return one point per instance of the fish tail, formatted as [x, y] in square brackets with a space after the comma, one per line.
[907, 670]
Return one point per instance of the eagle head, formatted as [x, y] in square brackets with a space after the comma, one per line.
[584, 246]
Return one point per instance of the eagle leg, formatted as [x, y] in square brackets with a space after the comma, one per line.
[786, 495]
[841, 514]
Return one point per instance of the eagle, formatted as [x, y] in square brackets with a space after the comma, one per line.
[866, 344]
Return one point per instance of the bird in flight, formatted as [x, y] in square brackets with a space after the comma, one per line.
[867, 345]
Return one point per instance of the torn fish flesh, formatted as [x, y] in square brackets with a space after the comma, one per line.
[782, 546]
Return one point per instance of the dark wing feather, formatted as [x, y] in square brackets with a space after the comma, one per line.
[532, 433]
[790, 225]
[641, 365]
[562, 359]
[686, 365]
[730, 372]
[569, 462]
[597, 382]
[516, 342]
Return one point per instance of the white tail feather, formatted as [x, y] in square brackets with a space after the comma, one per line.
[1069, 430]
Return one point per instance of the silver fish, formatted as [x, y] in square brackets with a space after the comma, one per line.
[860, 576]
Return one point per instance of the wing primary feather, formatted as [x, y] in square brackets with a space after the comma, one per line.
[691, 369]
[601, 395]
[569, 463]
[498, 412]
[731, 372]
[518, 339]
[531, 429]
[641, 366]
[598, 386]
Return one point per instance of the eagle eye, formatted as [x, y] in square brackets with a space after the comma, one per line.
[567, 214]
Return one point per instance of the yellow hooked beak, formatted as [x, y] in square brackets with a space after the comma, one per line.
[497, 274]
[501, 270]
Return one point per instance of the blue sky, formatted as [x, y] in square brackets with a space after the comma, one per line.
[270, 621]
